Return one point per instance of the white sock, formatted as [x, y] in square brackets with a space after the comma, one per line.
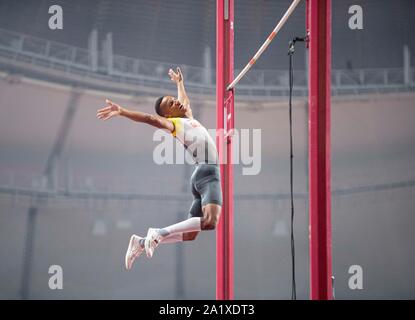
[171, 238]
[189, 225]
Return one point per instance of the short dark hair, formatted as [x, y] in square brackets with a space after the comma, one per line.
[157, 105]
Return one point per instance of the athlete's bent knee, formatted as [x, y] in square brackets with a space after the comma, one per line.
[209, 222]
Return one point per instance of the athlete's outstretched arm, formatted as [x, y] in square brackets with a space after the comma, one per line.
[112, 110]
[177, 77]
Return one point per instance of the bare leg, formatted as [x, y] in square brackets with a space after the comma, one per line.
[190, 236]
[211, 215]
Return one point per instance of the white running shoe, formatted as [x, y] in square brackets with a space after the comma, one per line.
[134, 251]
[153, 239]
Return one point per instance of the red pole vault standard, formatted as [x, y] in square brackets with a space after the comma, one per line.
[319, 28]
[224, 125]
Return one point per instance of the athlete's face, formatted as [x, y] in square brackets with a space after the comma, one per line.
[172, 108]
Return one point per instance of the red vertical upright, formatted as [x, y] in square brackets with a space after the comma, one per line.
[319, 28]
[224, 123]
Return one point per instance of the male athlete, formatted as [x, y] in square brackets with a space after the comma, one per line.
[175, 116]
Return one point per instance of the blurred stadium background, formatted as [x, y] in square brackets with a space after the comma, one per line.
[73, 189]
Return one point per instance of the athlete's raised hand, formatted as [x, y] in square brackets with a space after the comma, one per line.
[111, 110]
[177, 76]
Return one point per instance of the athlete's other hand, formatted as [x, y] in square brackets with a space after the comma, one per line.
[176, 76]
[111, 110]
